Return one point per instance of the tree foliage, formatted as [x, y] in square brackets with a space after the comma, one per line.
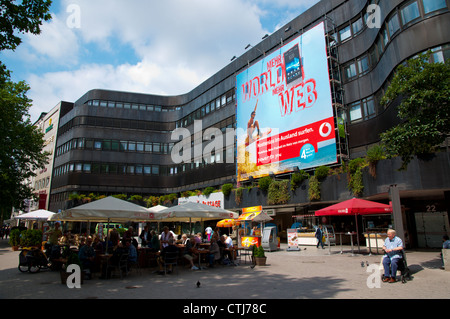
[424, 90]
[21, 143]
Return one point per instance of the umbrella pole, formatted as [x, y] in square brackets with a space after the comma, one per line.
[357, 232]
[107, 238]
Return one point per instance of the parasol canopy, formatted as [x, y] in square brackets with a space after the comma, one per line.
[36, 215]
[191, 212]
[354, 206]
[226, 223]
[106, 209]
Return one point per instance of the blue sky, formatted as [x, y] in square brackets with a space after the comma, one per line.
[156, 47]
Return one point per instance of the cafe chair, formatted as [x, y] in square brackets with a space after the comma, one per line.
[171, 259]
[135, 265]
[121, 265]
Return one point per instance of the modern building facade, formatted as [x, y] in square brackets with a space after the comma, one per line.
[113, 142]
[48, 125]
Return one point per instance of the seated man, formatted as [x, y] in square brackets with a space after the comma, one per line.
[87, 256]
[393, 245]
[132, 252]
[168, 249]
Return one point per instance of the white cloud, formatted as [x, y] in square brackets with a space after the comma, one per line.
[177, 45]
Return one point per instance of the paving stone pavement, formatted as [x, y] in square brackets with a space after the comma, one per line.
[308, 273]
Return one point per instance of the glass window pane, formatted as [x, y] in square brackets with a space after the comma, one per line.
[147, 170]
[106, 145]
[127, 106]
[156, 147]
[148, 147]
[355, 112]
[345, 33]
[410, 12]
[357, 26]
[350, 71]
[103, 103]
[369, 108]
[363, 64]
[132, 146]
[393, 24]
[139, 169]
[87, 168]
[98, 145]
[130, 169]
[140, 147]
[433, 5]
[115, 145]
[123, 145]
[155, 169]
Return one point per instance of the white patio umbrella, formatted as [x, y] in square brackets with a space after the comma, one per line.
[40, 214]
[193, 212]
[106, 209]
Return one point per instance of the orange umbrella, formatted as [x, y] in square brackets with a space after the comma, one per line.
[226, 223]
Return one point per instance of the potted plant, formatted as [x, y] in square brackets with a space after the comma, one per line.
[14, 239]
[31, 238]
[259, 255]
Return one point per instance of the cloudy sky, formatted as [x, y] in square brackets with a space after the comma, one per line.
[146, 46]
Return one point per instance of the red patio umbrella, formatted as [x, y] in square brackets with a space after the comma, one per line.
[355, 206]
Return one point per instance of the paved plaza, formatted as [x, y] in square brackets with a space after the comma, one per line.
[309, 273]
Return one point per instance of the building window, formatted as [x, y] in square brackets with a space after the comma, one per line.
[355, 112]
[345, 33]
[433, 5]
[393, 25]
[357, 26]
[410, 12]
[350, 71]
[369, 108]
[363, 64]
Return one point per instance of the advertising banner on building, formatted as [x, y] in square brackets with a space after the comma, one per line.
[284, 110]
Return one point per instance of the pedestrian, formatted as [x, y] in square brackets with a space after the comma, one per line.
[393, 246]
[319, 236]
[445, 245]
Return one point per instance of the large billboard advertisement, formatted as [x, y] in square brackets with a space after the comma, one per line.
[284, 110]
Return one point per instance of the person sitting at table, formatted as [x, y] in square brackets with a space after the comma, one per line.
[188, 253]
[226, 247]
[132, 252]
[165, 236]
[97, 244]
[87, 257]
[214, 252]
[117, 252]
[144, 236]
[198, 238]
[167, 249]
[154, 242]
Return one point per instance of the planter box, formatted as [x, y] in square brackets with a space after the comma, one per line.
[260, 261]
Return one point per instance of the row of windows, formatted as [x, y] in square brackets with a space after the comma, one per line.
[409, 12]
[367, 108]
[132, 146]
[399, 19]
[210, 107]
[145, 169]
[131, 106]
[114, 145]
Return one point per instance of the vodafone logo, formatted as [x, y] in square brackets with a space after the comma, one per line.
[325, 129]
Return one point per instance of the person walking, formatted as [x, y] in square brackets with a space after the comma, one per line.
[319, 236]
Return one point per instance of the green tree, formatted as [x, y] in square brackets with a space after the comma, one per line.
[424, 91]
[21, 143]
